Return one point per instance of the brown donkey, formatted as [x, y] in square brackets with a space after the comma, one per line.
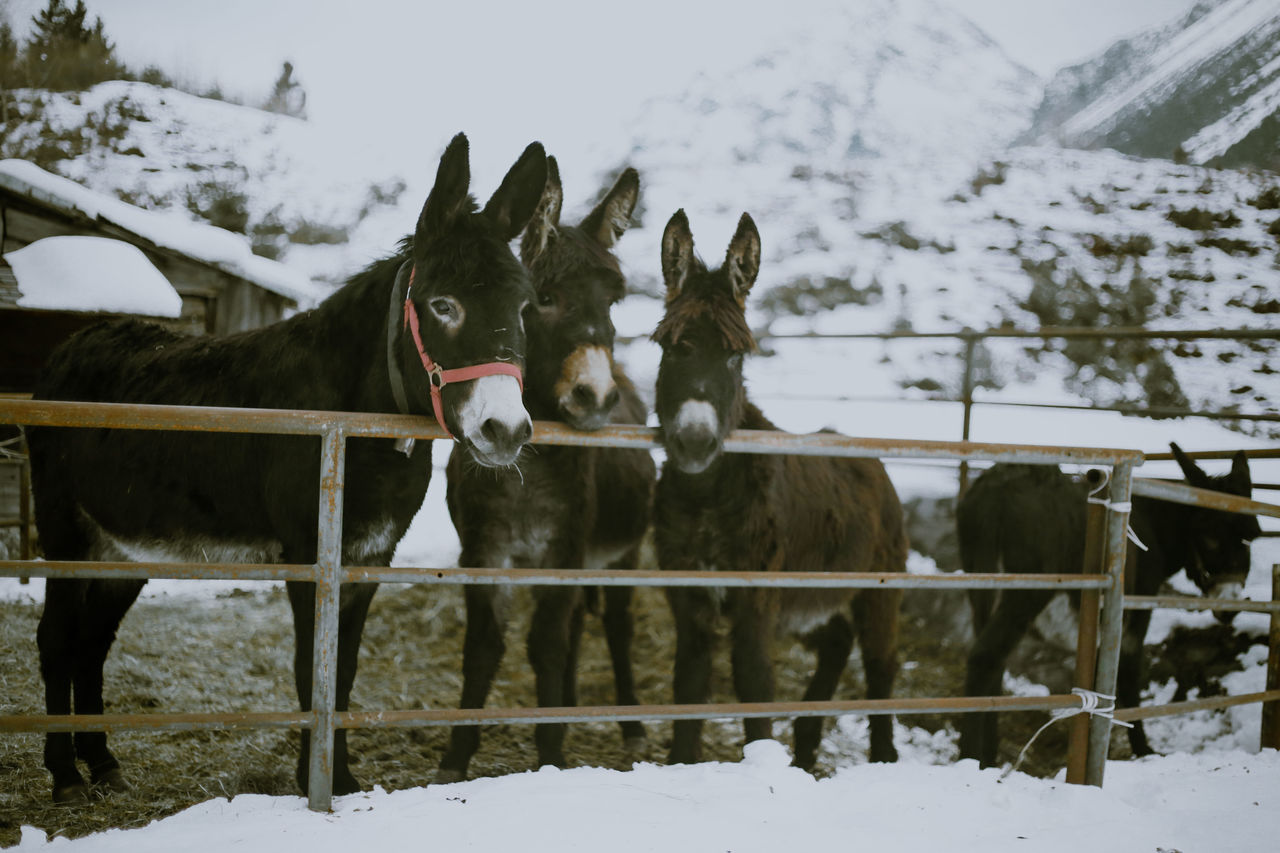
[716, 511]
[559, 507]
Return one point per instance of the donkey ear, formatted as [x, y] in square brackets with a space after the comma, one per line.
[1241, 482]
[512, 205]
[545, 218]
[448, 197]
[1190, 469]
[743, 260]
[677, 253]
[612, 216]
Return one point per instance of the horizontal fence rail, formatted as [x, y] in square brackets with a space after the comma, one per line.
[500, 716]
[333, 428]
[1181, 493]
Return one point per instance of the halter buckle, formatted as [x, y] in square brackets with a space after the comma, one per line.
[436, 376]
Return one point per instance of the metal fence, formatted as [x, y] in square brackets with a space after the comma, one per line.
[1100, 629]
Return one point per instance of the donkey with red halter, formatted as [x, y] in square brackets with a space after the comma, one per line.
[454, 290]
[1031, 518]
[565, 507]
[733, 512]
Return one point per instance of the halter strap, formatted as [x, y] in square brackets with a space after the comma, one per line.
[438, 376]
[393, 363]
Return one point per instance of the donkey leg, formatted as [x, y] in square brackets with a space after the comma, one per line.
[1132, 675]
[352, 613]
[58, 640]
[876, 618]
[302, 599]
[752, 659]
[695, 619]
[570, 677]
[352, 610]
[550, 652]
[111, 600]
[482, 651]
[984, 671]
[832, 642]
[619, 628]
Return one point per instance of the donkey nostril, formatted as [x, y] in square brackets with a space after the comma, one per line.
[501, 434]
[611, 399]
[584, 395]
[695, 444]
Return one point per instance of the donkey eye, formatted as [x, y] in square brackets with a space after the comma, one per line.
[735, 360]
[445, 309]
[546, 300]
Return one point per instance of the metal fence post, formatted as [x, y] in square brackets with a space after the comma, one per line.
[1270, 737]
[1116, 542]
[966, 395]
[1087, 636]
[324, 655]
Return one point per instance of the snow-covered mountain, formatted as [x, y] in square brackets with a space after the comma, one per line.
[871, 147]
[1208, 84]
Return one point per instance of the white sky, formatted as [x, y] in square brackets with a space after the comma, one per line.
[534, 69]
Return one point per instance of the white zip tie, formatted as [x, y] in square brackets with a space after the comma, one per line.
[1088, 705]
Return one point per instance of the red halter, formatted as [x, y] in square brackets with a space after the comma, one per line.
[439, 377]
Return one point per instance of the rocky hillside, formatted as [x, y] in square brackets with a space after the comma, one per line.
[1205, 88]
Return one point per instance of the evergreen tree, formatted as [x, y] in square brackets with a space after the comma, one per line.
[8, 65]
[287, 96]
[64, 52]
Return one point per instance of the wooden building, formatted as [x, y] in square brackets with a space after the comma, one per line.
[223, 286]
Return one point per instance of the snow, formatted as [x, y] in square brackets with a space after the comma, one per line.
[1240, 121]
[91, 274]
[1234, 20]
[216, 246]
[1222, 802]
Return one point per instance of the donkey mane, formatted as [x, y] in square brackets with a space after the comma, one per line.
[711, 303]
[564, 256]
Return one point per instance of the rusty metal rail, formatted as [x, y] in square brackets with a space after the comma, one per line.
[532, 716]
[1181, 493]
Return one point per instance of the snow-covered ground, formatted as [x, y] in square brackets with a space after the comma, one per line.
[1221, 802]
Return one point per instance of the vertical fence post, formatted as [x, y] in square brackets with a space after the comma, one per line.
[1271, 710]
[966, 396]
[1087, 636]
[324, 656]
[1116, 542]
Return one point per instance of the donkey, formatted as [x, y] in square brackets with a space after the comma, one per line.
[129, 495]
[565, 507]
[1031, 518]
[760, 513]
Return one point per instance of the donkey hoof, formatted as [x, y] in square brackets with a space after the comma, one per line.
[636, 744]
[448, 777]
[345, 783]
[72, 795]
[111, 782]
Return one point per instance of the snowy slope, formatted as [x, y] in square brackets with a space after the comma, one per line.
[274, 177]
[1204, 83]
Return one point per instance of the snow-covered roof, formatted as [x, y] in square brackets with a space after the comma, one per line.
[217, 247]
[91, 274]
